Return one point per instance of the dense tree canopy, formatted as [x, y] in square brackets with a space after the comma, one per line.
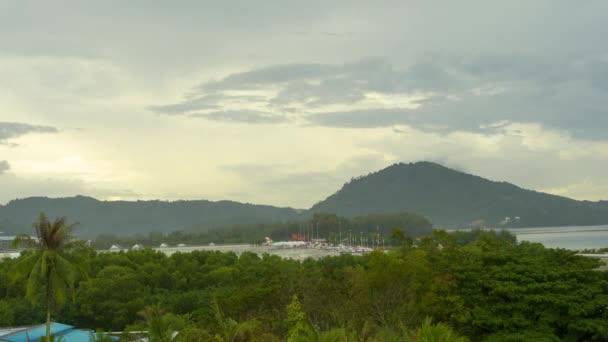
[491, 288]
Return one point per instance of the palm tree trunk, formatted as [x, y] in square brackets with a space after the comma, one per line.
[48, 323]
[48, 307]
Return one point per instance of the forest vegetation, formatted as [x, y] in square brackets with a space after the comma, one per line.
[482, 286]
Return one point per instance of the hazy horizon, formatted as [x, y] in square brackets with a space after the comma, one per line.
[279, 205]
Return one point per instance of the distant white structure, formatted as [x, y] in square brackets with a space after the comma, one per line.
[137, 247]
[8, 255]
[6, 242]
[163, 245]
[509, 219]
[181, 245]
[115, 248]
[211, 244]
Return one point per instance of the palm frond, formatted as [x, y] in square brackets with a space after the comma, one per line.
[23, 239]
[34, 280]
[59, 289]
[24, 265]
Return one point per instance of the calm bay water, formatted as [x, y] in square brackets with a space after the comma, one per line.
[565, 237]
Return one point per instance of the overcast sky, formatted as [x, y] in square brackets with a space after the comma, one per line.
[281, 102]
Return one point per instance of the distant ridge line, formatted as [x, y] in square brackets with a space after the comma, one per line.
[448, 197]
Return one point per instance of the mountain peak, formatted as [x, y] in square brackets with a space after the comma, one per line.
[419, 165]
[446, 196]
[454, 198]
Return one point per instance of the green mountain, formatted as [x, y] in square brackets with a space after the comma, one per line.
[122, 217]
[447, 197]
[453, 198]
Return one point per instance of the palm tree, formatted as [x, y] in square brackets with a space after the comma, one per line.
[233, 331]
[47, 266]
[159, 326]
[439, 332]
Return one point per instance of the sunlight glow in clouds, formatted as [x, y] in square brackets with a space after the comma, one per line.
[285, 105]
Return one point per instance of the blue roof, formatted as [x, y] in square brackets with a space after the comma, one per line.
[36, 332]
[78, 335]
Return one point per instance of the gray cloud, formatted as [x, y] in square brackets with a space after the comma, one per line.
[310, 85]
[348, 82]
[244, 116]
[10, 130]
[368, 118]
[4, 166]
[470, 94]
[76, 68]
[271, 75]
[194, 103]
[182, 107]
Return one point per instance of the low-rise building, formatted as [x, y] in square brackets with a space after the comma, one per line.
[37, 333]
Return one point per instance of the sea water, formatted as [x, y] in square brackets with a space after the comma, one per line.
[574, 237]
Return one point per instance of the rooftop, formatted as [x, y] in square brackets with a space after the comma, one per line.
[35, 333]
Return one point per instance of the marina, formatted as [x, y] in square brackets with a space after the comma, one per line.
[573, 238]
[299, 252]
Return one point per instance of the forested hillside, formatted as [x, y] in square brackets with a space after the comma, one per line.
[452, 198]
[487, 289]
[446, 197]
[122, 217]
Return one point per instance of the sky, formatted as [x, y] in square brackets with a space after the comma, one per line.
[282, 102]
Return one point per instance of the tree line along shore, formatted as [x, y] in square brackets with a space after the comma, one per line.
[480, 286]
